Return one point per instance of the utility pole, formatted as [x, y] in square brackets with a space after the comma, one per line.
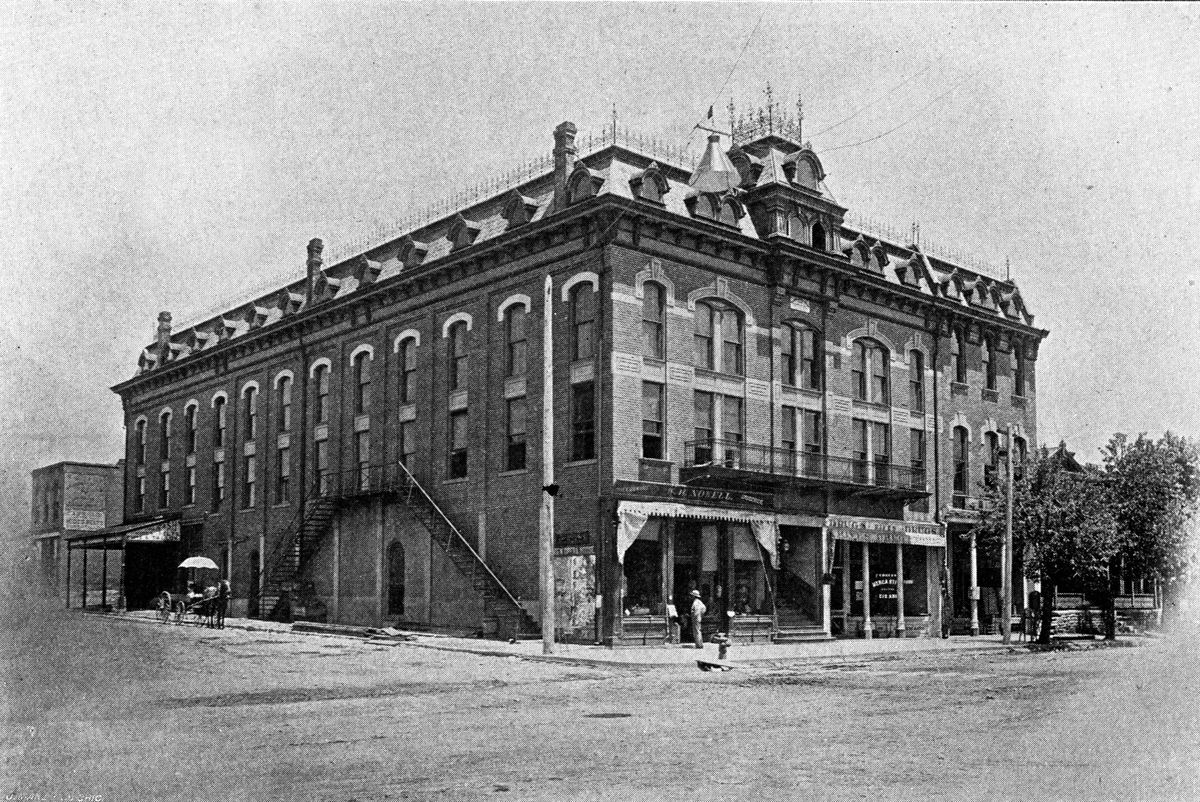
[1006, 553]
[549, 489]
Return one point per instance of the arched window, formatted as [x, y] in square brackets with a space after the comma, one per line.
[653, 320]
[395, 579]
[408, 370]
[818, 236]
[989, 364]
[321, 383]
[459, 356]
[250, 412]
[583, 321]
[283, 398]
[219, 422]
[715, 319]
[991, 470]
[958, 357]
[1019, 451]
[514, 328]
[139, 442]
[916, 381]
[164, 436]
[798, 352]
[1018, 352]
[961, 466]
[362, 383]
[870, 372]
[189, 425]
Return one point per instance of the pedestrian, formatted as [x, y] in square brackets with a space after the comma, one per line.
[223, 591]
[697, 612]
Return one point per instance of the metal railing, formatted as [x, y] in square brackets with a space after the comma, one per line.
[753, 458]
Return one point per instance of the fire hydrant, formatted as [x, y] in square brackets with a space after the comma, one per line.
[723, 645]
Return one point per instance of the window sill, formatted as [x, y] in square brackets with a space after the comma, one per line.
[579, 462]
[800, 388]
[719, 374]
[858, 402]
[514, 472]
[1019, 401]
[958, 388]
[991, 395]
[457, 480]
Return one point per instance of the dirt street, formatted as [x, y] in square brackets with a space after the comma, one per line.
[111, 709]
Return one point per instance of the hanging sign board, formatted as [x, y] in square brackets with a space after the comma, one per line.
[883, 530]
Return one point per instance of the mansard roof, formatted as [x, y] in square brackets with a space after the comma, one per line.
[612, 171]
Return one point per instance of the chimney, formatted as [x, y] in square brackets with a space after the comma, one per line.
[564, 160]
[164, 337]
[315, 246]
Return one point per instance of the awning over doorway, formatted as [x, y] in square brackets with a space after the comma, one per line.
[886, 530]
[632, 516]
[159, 530]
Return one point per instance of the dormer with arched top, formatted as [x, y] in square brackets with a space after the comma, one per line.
[325, 287]
[462, 232]
[365, 271]
[726, 209]
[808, 172]
[650, 184]
[584, 183]
[412, 253]
[518, 209]
[749, 167]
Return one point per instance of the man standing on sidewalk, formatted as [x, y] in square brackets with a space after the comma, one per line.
[697, 612]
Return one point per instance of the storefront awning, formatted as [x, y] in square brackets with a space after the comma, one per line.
[159, 530]
[885, 530]
[632, 516]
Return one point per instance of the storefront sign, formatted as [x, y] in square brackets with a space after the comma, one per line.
[83, 520]
[881, 530]
[699, 495]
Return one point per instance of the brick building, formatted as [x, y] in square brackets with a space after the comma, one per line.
[750, 398]
[73, 500]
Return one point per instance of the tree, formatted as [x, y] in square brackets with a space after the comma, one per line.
[1062, 523]
[1156, 491]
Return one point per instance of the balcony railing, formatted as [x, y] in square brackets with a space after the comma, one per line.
[365, 480]
[761, 459]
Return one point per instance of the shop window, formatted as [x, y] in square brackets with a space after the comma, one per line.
[514, 326]
[642, 568]
[583, 421]
[750, 594]
[652, 420]
[653, 320]
[514, 451]
[583, 321]
[457, 467]
[395, 579]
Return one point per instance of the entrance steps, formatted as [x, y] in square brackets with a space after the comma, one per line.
[801, 634]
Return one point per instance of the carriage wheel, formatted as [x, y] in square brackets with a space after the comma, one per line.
[164, 611]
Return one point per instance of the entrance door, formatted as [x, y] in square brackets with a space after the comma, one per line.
[799, 594]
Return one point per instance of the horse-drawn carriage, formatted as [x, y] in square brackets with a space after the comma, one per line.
[190, 607]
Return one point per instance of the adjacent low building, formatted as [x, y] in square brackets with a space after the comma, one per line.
[749, 398]
[73, 500]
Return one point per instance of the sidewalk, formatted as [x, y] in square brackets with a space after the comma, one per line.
[755, 654]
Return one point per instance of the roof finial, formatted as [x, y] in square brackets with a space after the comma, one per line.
[614, 123]
[800, 118]
[1007, 270]
[770, 110]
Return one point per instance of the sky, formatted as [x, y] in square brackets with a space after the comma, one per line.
[176, 156]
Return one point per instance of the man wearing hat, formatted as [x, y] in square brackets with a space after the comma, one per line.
[697, 612]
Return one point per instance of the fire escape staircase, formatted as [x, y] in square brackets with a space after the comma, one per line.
[287, 590]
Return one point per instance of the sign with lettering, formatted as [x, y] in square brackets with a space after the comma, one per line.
[883, 530]
[626, 364]
[701, 495]
[680, 374]
[83, 520]
[757, 389]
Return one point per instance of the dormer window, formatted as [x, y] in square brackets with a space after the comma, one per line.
[412, 253]
[818, 237]
[462, 232]
[650, 185]
[518, 209]
[584, 184]
[366, 271]
[719, 208]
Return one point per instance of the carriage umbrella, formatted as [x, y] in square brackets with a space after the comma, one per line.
[192, 563]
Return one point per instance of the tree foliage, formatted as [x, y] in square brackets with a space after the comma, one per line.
[1156, 488]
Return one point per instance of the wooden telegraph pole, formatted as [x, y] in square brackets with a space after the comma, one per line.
[1006, 552]
[549, 489]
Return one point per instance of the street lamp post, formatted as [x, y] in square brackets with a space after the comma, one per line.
[1006, 552]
